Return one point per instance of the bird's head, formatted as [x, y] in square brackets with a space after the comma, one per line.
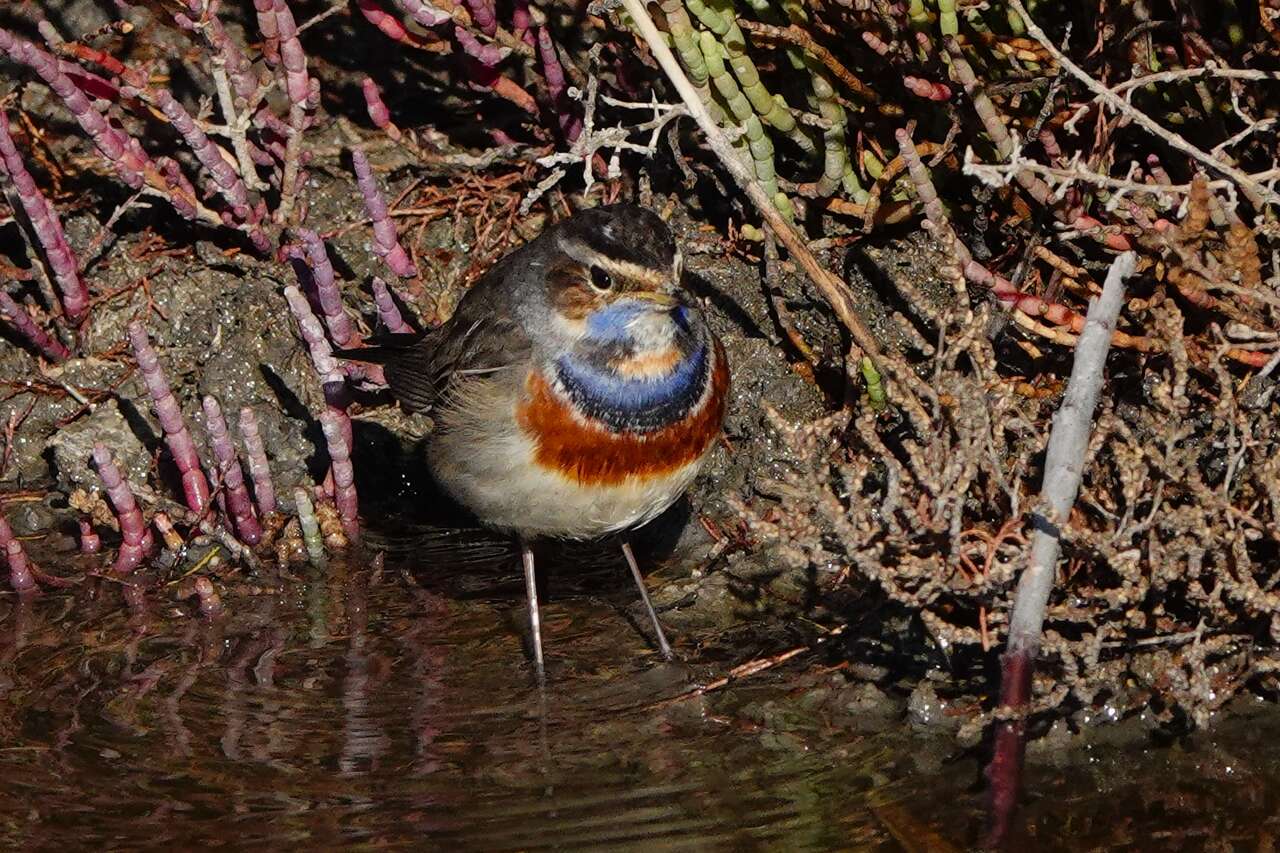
[616, 280]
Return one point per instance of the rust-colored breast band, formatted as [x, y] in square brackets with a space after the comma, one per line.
[594, 455]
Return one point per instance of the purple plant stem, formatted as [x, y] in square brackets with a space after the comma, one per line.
[259, 468]
[522, 22]
[239, 69]
[388, 311]
[327, 294]
[48, 229]
[423, 13]
[90, 541]
[488, 55]
[210, 602]
[292, 56]
[195, 488]
[174, 177]
[113, 144]
[553, 72]
[385, 242]
[239, 504]
[378, 112]
[225, 177]
[484, 16]
[344, 485]
[270, 30]
[136, 538]
[46, 344]
[21, 577]
[332, 380]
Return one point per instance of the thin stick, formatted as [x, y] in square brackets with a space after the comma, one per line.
[833, 289]
[1258, 194]
[1063, 469]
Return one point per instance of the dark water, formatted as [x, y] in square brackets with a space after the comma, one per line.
[396, 708]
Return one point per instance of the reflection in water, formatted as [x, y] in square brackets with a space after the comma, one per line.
[398, 708]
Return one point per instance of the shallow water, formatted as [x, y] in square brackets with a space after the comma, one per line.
[396, 708]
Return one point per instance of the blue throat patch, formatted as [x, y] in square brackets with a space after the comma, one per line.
[636, 405]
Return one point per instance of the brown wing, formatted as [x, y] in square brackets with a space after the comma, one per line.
[420, 368]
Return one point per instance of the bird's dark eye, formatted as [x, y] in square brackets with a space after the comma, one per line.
[600, 279]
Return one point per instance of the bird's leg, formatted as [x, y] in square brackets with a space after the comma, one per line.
[535, 620]
[663, 646]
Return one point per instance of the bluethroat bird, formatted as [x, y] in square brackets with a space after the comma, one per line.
[575, 392]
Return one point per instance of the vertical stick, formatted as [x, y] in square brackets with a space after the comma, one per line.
[1063, 469]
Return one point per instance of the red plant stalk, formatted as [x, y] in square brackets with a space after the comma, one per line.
[388, 311]
[344, 485]
[195, 487]
[239, 504]
[210, 602]
[259, 468]
[176, 180]
[423, 13]
[927, 89]
[484, 16]
[210, 156]
[111, 143]
[385, 242]
[327, 295]
[48, 230]
[304, 96]
[21, 577]
[553, 72]
[522, 22]
[136, 538]
[270, 30]
[488, 55]
[48, 346]
[332, 380]
[90, 541]
[239, 69]
[378, 112]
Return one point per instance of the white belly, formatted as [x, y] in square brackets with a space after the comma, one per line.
[487, 465]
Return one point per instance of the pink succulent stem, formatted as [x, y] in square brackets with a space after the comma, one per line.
[327, 294]
[210, 602]
[175, 179]
[488, 55]
[344, 485]
[385, 242]
[47, 228]
[259, 468]
[332, 380]
[378, 112]
[195, 487]
[136, 538]
[423, 12]
[292, 56]
[270, 30]
[484, 16]
[48, 346]
[210, 156]
[90, 541]
[21, 577]
[388, 24]
[388, 311]
[239, 69]
[522, 22]
[128, 160]
[553, 73]
[239, 504]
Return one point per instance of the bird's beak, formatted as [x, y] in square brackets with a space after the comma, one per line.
[660, 298]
